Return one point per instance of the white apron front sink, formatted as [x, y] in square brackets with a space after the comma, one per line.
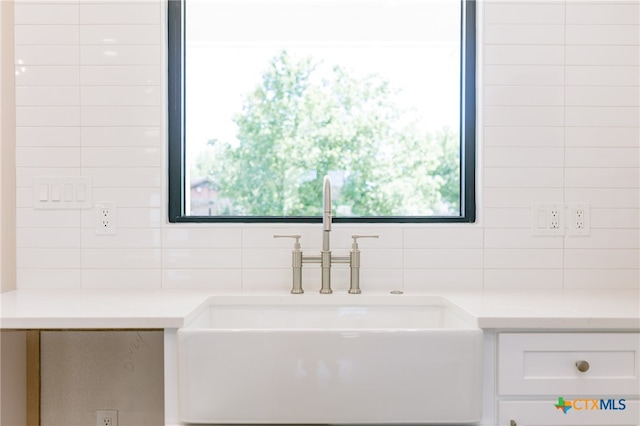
[330, 360]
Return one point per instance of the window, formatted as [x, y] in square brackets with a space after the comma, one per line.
[266, 97]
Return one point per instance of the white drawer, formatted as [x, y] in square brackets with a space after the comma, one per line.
[545, 364]
[543, 413]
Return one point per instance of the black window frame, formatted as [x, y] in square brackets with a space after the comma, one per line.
[176, 134]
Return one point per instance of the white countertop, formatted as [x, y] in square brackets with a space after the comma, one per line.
[616, 309]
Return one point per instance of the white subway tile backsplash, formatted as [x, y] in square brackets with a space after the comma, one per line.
[524, 258]
[603, 34]
[275, 279]
[124, 177]
[129, 197]
[609, 137]
[121, 157]
[602, 157]
[531, 157]
[47, 116]
[506, 218]
[447, 238]
[602, 55]
[46, 34]
[121, 278]
[43, 75]
[602, 258]
[47, 136]
[49, 278]
[377, 258]
[102, 116]
[122, 96]
[48, 238]
[560, 123]
[505, 177]
[524, 136]
[388, 237]
[24, 197]
[603, 177]
[628, 96]
[524, 116]
[120, 75]
[120, 34]
[523, 278]
[615, 219]
[380, 279]
[46, 14]
[524, 95]
[604, 278]
[422, 279]
[47, 95]
[201, 258]
[120, 55]
[524, 75]
[603, 198]
[605, 239]
[266, 258]
[138, 258]
[148, 12]
[443, 258]
[523, 34]
[594, 13]
[32, 218]
[520, 238]
[220, 279]
[603, 116]
[201, 237]
[99, 136]
[262, 237]
[128, 217]
[523, 12]
[25, 175]
[520, 197]
[125, 238]
[602, 75]
[49, 258]
[46, 157]
[47, 55]
[505, 54]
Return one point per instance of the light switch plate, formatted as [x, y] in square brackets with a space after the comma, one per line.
[62, 192]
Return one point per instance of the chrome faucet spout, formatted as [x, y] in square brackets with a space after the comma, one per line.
[325, 254]
[326, 204]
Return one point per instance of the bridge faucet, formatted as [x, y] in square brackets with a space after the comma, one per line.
[326, 258]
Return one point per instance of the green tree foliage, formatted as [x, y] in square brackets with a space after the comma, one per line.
[305, 121]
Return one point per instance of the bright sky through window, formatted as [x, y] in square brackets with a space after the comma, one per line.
[401, 55]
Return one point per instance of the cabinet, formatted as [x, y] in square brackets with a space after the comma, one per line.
[568, 379]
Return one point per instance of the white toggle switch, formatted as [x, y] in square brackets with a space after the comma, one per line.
[81, 192]
[43, 192]
[67, 193]
[55, 192]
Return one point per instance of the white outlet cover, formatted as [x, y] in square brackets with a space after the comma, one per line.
[544, 222]
[106, 417]
[572, 220]
[99, 219]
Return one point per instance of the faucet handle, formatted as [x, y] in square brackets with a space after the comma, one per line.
[357, 237]
[296, 245]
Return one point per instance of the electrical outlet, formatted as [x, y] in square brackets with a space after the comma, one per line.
[547, 219]
[107, 418]
[578, 222]
[105, 218]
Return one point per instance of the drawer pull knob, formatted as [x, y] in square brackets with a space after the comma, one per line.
[512, 423]
[582, 366]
